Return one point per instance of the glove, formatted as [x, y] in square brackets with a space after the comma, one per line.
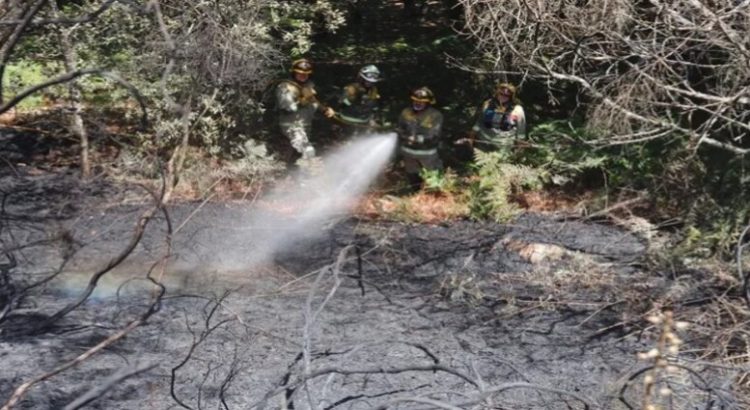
[309, 152]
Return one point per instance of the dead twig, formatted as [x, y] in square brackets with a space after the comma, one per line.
[98, 391]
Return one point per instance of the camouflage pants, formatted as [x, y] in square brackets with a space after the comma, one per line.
[297, 132]
[501, 142]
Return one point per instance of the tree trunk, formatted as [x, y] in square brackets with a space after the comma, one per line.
[70, 59]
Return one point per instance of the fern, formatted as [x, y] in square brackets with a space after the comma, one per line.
[438, 181]
[498, 180]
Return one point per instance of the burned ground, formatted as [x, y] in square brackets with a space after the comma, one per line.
[543, 312]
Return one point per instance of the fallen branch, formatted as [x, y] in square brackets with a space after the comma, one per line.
[97, 392]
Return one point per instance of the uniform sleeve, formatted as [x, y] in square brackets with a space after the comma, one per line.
[348, 96]
[404, 129]
[287, 97]
[437, 127]
[520, 116]
[309, 96]
[479, 117]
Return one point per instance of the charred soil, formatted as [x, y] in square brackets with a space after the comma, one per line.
[543, 312]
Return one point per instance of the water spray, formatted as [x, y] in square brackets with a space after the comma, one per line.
[229, 242]
[316, 199]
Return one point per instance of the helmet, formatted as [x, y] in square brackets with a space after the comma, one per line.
[506, 86]
[370, 73]
[302, 66]
[423, 95]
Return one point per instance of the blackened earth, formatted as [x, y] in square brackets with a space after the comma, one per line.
[371, 313]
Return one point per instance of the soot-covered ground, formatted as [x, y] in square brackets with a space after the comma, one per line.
[534, 314]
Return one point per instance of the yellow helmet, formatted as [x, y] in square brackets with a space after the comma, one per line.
[302, 66]
[423, 95]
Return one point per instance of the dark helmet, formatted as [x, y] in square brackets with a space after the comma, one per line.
[370, 73]
[423, 95]
[302, 66]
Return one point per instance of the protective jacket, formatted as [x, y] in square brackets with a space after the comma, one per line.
[296, 103]
[498, 124]
[359, 103]
[419, 131]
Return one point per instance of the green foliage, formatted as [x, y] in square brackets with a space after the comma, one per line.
[706, 191]
[498, 179]
[567, 154]
[21, 75]
[440, 181]
[561, 152]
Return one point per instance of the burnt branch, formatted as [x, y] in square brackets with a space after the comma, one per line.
[587, 403]
[198, 339]
[153, 308]
[21, 390]
[140, 228]
[98, 391]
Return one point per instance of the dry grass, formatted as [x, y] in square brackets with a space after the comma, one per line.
[421, 207]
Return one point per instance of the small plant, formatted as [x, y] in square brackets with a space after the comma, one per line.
[461, 286]
[439, 181]
[498, 180]
[659, 377]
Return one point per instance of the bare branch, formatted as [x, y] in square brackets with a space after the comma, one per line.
[98, 391]
[648, 69]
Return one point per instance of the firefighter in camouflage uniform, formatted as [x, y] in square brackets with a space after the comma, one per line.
[359, 103]
[297, 102]
[501, 120]
[419, 128]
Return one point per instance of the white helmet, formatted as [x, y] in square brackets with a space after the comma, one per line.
[370, 73]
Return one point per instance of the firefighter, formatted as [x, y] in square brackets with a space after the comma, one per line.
[297, 102]
[419, 127]
[359, 103]
[501, 121]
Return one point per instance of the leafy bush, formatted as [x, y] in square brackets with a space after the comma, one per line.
[702, 192]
